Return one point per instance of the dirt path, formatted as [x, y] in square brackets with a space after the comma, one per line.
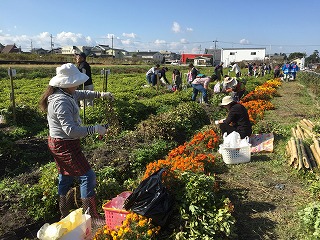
[267, 193]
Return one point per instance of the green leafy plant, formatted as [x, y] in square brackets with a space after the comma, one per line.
[108, 184]
[176, 125]
[204, 215]
[310, 220]
[146, 154]
[41, 199]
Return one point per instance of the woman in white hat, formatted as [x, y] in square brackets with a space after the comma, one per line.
[237, 119]
[236, 88]
[65, 130]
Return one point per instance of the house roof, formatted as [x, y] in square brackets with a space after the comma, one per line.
[10, 49]
[146, 53]
[211, 50]
[242, 48]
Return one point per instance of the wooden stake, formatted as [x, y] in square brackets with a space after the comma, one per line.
[306, 130]
[304, 124]
[315, 154]
[293, 132]
[305, 159]
[300, 161]
[311, 123]
[308, 123]
[311, 157]
[316, 145]
[300, 132]
[294, 153]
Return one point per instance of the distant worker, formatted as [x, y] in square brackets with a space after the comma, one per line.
[235, 87]
[276, 71]
[192, 74]
[286, 69]
[250, 69]
[218, 71]
[235, 68]
[162, 75]
[151, 75]
[294, 70]
[200, 84]
[85, 68]
[176, 80]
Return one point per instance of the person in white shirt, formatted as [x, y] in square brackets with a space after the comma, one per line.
[200, 84]
[151, 75]
[235, 68]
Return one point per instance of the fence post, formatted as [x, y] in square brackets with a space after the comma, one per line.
[11, 72]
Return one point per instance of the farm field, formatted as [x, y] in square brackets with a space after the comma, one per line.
[266, 193]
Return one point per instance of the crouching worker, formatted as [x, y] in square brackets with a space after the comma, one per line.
[237, 118]
[200, 84]
[65, 130]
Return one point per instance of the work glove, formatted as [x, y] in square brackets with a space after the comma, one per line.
[101, 130]
[107, 95]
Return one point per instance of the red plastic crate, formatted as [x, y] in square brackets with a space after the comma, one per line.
[113, 215]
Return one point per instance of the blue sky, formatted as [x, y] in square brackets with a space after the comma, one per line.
[177, 25]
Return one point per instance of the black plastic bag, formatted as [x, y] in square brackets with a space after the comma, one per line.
[151, 199]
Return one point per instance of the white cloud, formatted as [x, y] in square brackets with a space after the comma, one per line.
[127, 42]
[190, 29]
[110, 36]
[244, 41]
[183, 40]
[129, 35]
[43, 40]
[69, 38]
[176, 27]
[160, 41]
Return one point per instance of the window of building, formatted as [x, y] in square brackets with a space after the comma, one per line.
[232, 53]
[253, 53]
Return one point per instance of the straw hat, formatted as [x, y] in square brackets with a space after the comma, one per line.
[226, 101]
[68, 75]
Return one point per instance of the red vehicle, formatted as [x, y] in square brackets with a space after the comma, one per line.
[186, 57]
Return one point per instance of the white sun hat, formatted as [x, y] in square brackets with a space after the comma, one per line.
[228, 79]
[68, 75]
[226, 101]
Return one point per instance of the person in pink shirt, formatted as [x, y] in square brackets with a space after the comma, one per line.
[200, 84]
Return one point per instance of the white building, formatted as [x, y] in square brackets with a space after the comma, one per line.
[69, 50]
[228, 55]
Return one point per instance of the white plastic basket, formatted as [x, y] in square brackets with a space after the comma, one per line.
[235, 155]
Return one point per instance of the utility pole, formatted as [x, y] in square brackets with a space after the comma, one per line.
[215, 44]
[52, 44]
[31, 46]
[214, 52]
[112, 46]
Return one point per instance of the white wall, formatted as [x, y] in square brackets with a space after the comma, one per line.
[229, 55]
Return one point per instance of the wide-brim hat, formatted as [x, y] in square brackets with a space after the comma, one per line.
[226, 101]
[228, 79]
[68, 75]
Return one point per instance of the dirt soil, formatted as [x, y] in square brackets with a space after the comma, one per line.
[266, 192]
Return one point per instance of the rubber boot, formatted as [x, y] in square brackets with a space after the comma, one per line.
[63, 206]
[91, 203]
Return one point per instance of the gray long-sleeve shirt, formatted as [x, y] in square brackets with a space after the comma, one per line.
[64, 114]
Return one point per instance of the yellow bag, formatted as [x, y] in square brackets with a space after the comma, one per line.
[74, 226]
